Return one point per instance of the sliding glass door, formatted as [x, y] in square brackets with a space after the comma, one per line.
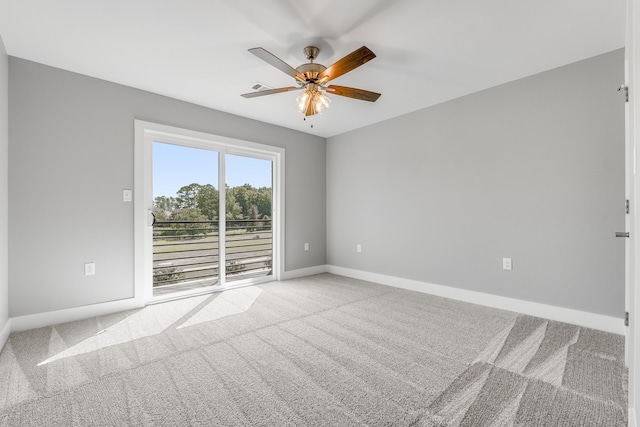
[206, 236]
[248, 227]
[185, 218]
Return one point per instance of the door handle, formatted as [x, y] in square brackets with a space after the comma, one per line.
[622, 234]
[151, 219]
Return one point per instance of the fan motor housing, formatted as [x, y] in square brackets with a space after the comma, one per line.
[311, 70]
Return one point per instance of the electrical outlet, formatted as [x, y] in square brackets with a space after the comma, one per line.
[506, 263]
[90, 269]
[358, 248]
[306, 246]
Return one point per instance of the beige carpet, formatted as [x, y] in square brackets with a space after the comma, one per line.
[322, 350]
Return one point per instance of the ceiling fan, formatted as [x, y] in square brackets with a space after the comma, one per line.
[312, 78]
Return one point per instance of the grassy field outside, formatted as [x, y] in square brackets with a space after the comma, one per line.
[195, 259]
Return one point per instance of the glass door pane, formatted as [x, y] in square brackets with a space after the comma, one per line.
[185, 206]
[249, 231]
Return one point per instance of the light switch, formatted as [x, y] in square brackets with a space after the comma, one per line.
[127, 195]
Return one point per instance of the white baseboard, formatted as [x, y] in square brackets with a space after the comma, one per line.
[41, 320]
[302, 272]
[50, 318]
[566, 315]
[4, 333]
[632, 418]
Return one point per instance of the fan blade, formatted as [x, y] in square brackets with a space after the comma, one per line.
[269, 91]
[350, 92]
[273, 60]
[351, 61]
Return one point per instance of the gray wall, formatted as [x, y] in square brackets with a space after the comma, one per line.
[4, 186]
[71, 151]
[532, 170]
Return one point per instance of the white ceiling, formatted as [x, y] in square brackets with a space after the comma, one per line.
[428, 51]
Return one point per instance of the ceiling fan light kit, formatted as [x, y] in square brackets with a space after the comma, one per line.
[312, 79]
[312, 101]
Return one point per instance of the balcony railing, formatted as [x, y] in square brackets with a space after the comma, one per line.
[186, 253]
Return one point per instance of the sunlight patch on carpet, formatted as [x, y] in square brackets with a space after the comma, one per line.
[230, 302]
[148, 321]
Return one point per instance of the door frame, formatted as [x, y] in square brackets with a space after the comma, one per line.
[148, 132]
[632, 137]
[630, 226]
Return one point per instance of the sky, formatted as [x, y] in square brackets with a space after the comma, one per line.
[175, 166]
